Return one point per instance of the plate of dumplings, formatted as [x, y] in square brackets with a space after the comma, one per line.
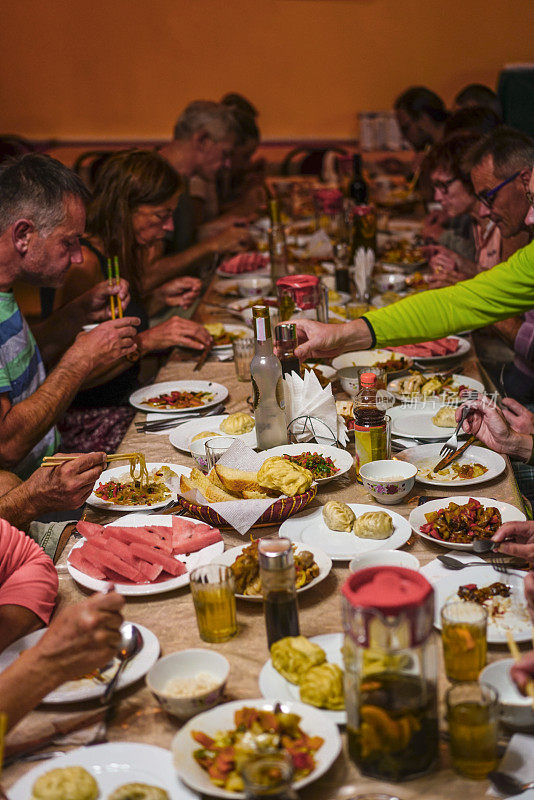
[344, 530]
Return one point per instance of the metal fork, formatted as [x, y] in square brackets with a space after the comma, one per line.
[452, 444]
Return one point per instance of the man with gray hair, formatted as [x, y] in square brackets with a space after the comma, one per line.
[204, 137]
[42, 216]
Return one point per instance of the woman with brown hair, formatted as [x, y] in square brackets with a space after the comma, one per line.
[134, 198]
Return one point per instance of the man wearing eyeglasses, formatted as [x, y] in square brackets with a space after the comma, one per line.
[505, 291]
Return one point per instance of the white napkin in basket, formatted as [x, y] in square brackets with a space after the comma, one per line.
[240, 514]
[305, 397]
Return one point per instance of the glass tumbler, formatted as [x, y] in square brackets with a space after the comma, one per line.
[213, 591]
[216, 447]
[473, 716]
[243, 354]
[463, 634]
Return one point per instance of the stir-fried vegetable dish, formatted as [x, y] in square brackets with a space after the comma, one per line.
[136, 492]
[179, 400]
[463, 524]
[246, 570]
[320, 466]
[418, 385]
[472, 593]
[256, 732]
[393, 364]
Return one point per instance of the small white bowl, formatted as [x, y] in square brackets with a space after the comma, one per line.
[388, 481]
[198, 452]
[390, 283]
[515, 710]
[187, 664]
[251, 287]
[348, 377]
[384, 558]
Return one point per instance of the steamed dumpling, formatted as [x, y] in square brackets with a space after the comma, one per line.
[338, 516]
[373, 525]
[72, 782]
[322, 686]
[237, 423]
[445, 417]
[204, 435]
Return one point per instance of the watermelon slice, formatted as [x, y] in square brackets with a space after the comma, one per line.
[138, 535]
[110, 545]
[76, 558]
[88, 529]
[105, 559]
[153, 556]
[188, 536]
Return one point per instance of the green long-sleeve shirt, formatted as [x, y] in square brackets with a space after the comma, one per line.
[502, 292]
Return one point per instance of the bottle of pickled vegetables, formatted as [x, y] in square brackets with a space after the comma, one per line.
[370, 423]
[390, 659]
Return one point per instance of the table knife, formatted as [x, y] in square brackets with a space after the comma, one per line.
[453, 456]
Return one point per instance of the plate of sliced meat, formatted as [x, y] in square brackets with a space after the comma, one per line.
[142, 554]
[438, 350]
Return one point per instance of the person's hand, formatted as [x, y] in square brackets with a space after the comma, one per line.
[233, 239]
[517, 539]
[176, 331]
[82, 638]
[106, 343]
[322, 341]
[519, 417]
[523, 671]
[66, 486]
[489, 425]
[95, 302]
[433, 225]
[440, 258]
[178, 292]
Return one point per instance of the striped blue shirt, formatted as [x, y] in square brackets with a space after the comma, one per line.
[21, 373]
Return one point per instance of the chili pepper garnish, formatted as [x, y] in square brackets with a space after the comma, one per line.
[320, 466]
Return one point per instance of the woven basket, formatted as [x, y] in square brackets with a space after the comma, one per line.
[279, 511]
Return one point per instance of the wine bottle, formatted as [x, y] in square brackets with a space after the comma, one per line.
[277, 243]
[358, 189]
[267, 386]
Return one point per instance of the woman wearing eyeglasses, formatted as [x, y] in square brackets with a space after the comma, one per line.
[134, 198]
[470, 243]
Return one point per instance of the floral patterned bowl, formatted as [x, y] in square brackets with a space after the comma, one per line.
[187, 664]
[388, 481]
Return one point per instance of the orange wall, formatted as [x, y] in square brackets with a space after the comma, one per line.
[124, 68]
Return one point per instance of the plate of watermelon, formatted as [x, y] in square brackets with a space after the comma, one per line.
[142, 554]
[438, 350]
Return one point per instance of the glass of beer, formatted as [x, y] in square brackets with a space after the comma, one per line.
[463, 633]
[473, 716]
[213, 590]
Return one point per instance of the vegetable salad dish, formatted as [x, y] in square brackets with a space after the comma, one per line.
[179, 400]
[256, 732]
[463, 524]
[320, 466]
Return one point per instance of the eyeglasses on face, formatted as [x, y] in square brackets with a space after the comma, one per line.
[487, 197]
[443, 186]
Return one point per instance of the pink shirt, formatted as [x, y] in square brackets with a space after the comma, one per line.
[28, 577]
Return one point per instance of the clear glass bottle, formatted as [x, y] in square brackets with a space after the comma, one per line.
[277, 573]
[277, 242]
[286, 340]
[390, 658]
[267, 385]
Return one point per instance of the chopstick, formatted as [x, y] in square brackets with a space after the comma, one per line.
[54, 461]
[516, 655]
[113, 280]
[117, 281]
[203, 357]
[110, 283]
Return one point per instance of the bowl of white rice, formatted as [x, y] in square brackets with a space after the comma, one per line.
[188, 682]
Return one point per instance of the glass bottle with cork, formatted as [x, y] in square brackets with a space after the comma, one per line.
[277, 242]
[267, 385]
[277, 573]
[286, 341]
[371, 433]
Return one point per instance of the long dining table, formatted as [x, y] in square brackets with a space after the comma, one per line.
[171, 616]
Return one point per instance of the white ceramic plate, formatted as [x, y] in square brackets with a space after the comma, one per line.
[191, 561]
[458, 380]
[245, 303]
[417, 517]
[426, 456]
[86, 688]
[343, 299]
[463, 348]
[138, 398]
[310, 530]
[181, 436]
[520, 624]
[326, 371]
[272, 684]
[113, 765]
[341, 458]
[414, 421]
[123, 472]
[368, 358]
[323, 561]
[229, 328]
[221, 718]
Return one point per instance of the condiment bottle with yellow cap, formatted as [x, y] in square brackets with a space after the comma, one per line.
[390, 656]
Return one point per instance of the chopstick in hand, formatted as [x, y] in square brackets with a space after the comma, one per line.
[516, 655]
[110, 283]
[117, 281]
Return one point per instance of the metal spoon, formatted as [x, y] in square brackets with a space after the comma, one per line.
[131, 644]
[507, 784]
[455, 563]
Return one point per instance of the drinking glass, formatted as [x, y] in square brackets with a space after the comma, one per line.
[216, 447]
[269, 776]
[243, 354]
[212, 587]
[473, 715]
[463, 633]
[355, 309]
